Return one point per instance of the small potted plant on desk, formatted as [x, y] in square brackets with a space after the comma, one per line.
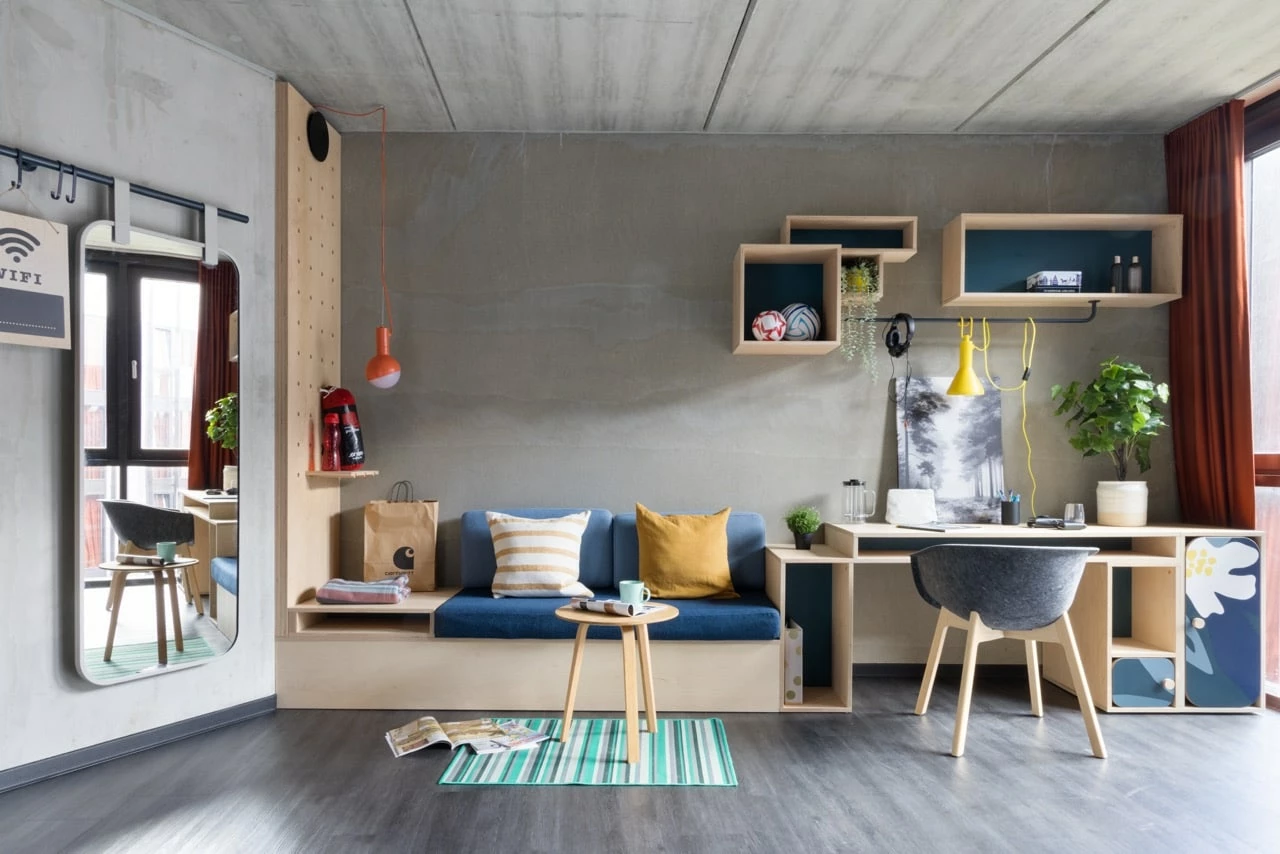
[803, 522]
[1116, 415]
[224, 420]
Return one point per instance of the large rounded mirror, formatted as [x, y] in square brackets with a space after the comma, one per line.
[156, 344]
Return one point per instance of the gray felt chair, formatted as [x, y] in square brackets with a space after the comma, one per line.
[140, 526]
[1020, 592]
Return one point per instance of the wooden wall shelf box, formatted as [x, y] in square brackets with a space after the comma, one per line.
[343, 475]
[986, 258]
[773, 275]
[891, 238]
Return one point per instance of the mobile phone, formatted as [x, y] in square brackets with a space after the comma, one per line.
[1044, 522]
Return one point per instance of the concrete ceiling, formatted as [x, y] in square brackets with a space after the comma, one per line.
[753, 66]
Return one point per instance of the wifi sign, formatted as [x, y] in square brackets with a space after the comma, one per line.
[17, 244]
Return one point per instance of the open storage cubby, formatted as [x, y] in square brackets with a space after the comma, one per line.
[786, 567]
[986, 257]
[414, 616]
[771, 276]
[892, 238]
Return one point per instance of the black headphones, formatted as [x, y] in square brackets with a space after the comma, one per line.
[893, 339]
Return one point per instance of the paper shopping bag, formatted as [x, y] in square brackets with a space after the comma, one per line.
[400, 538]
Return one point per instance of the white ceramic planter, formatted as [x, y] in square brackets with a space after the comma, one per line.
[1122, 503]
[231, 477]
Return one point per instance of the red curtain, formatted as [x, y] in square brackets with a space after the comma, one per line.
[215, 373]
[1210, 401]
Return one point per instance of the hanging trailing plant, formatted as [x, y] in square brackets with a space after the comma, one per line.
[859, 293]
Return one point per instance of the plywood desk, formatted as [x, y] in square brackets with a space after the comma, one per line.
[217, 529]
[1163, 623]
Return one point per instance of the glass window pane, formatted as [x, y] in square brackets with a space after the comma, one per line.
[94, 411]
[1264, 298]
[159, 486]
[100, 543]
[170, 317]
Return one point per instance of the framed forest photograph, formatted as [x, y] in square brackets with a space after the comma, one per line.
[952, 445]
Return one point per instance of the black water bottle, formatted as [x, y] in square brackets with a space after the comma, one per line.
[1117, 276]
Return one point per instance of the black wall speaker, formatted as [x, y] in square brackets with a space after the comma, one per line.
[318, 136]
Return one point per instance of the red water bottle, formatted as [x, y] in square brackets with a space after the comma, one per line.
[331, 448]
[339, 402]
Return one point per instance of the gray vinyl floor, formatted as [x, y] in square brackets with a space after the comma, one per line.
[878, 780]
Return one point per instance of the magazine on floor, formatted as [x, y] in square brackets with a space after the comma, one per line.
[516, 736]
[428, 732]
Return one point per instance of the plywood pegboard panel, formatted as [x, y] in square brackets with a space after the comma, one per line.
[308, 274]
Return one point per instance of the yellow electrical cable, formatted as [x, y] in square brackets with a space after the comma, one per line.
[1028, 353]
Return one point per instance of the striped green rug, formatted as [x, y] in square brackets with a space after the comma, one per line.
[130, 658]
[682, 753]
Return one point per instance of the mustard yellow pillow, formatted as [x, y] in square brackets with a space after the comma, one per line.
[684, 557]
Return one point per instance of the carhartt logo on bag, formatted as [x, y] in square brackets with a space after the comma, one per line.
[400, 538]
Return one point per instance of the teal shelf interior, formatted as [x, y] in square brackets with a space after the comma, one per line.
[809, 604]
[772, 287]
[1121, 602]
[996, 260]
[850, 238]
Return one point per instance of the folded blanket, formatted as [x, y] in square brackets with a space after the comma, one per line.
[339, 591]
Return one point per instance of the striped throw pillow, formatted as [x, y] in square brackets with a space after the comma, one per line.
[537, 557]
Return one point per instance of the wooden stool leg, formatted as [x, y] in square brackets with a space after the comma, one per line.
[1081, 684]
[113, 605]
[629, 689]
[173, 606]
[931, 667]
[1033, 677]
[162, 642]
[966, 684]
[646, 677]
[574, 669]
[192, 585]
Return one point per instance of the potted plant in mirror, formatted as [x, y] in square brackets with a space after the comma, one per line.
[1116, 414]
[223, 422]
[803, 522]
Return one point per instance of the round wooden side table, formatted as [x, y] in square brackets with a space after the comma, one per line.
[633, 629]
[161, 574]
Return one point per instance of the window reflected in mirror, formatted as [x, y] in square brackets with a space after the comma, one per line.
[158, 564]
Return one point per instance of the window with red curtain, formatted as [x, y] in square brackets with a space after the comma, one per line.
[1262, 231]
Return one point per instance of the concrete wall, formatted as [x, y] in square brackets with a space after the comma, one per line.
[562, 313]
[90, 84]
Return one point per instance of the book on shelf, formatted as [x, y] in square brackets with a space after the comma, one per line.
[516, 736]
[616, 607]
[426, 731]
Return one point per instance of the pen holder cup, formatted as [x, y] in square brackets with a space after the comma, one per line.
[1010, 512]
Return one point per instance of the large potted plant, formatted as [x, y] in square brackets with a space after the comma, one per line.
[1116, 414]
[223, 429]
[803, 522]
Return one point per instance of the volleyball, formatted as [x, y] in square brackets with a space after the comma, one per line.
[769, 326]
[802, 322]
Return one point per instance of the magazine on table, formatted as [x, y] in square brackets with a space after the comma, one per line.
[616, 607]
[140, 560]
[428, 732]
[516, 736]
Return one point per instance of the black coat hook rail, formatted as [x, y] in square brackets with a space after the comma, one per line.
[26, 161]
[1093, 312]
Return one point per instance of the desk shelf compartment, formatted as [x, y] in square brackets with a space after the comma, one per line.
[892, 238]
[782, 562]
[986, 258]
[414, 617]
[770, 276]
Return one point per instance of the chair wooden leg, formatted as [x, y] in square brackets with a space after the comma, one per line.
[574, 669]
[966, 683]
[162, 643]
[1081, 685]
[1033, 677]
[173, 607]
[931, 666]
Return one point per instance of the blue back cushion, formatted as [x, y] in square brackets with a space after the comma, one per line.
[746, 550]
[226, 574]
[476, 548]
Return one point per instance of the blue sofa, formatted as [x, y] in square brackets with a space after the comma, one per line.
[610, 553]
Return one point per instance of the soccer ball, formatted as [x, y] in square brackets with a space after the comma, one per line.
[802, 322]
[769, 326]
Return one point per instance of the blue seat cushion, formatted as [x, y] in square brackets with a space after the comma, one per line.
[746, 551]
[595, 560]
[225, 574]
[474, 613]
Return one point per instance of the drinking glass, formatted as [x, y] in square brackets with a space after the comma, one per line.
[1073, 513]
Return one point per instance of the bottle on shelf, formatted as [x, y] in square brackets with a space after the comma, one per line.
[1117, 276]
[331, 447]
[1134, 285]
